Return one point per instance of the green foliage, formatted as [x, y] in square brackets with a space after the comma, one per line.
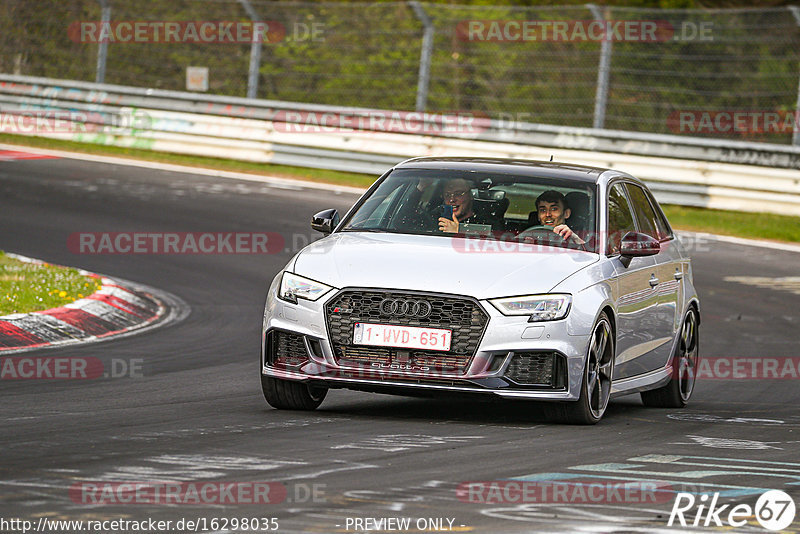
[368, 55]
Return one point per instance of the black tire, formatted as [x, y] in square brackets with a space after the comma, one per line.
[676, 393]
[289, 395]
[597, 377]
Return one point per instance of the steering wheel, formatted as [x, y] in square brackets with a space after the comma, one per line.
[541, 233]
[547, 235]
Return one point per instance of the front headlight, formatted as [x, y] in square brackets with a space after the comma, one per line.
[295, 287]
[538, 307]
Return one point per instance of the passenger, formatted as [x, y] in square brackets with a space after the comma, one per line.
[457, 193]
[553, 211]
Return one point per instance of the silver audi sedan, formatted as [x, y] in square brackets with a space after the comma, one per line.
[516, 279]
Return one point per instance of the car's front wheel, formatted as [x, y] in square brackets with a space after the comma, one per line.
[289, 395]
[597, 377]
[684, 369]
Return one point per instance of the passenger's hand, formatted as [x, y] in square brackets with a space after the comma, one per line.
[447, 225]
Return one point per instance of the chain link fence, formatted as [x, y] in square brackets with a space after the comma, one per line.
[731, 73]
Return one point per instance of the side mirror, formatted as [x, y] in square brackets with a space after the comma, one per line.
[325, 221]
[635, 244]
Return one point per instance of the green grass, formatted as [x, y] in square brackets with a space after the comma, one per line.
[282, 171]
[27, 287]
[734, 223]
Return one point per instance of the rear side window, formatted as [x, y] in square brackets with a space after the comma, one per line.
[620, 218]
[645, 215]
[664, 229]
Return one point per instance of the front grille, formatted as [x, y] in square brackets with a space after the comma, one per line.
[536, 369]
[463, 316]
[284, 349]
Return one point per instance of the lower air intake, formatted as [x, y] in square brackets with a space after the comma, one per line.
[544, 369]
[285, 349]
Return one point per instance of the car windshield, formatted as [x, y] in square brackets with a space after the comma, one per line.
[506, 207]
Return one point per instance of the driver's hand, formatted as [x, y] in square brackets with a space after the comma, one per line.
[566, 232]
[447, 225]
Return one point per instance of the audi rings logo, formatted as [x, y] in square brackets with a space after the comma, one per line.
[405, 308]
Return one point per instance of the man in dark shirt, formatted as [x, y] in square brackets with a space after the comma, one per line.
[553, 211]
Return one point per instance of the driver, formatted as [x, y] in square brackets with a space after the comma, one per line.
[553, 211]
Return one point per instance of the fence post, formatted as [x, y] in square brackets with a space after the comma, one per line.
[603, 73]
[255, 53]
[102, 48]
[425, 55]
[795, 126]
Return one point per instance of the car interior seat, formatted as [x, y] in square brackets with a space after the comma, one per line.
[578, 203]
[491, 205]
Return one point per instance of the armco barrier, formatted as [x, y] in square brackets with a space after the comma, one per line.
[683, 170]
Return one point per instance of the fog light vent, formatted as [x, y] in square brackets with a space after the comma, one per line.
[285, 349]
[533, 369]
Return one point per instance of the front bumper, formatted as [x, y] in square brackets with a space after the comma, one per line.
[509, 357]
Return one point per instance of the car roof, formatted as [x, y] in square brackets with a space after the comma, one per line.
[519, 167]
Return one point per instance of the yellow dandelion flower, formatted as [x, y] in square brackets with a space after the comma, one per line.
[62, 294]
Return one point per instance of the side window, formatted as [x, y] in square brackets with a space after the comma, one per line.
[644, 211]
[620, 218]
[664, 229]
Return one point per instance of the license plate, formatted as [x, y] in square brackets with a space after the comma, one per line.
[408, 337]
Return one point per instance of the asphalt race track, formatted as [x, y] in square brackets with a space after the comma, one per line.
[193, 411]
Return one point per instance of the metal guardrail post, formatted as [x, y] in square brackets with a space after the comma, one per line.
[425, 55]
[796, 127]
[255, 53]
[603, 73]
[102, 49]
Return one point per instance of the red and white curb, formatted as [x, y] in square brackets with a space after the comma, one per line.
[118, 308]
[14, 155]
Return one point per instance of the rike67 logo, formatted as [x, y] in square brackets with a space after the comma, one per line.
[774, 510]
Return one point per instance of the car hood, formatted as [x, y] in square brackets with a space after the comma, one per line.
[476, 267]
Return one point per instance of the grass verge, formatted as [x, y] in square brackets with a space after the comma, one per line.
[739, 224]
[27, 287]
[266, 169]
[734, 223]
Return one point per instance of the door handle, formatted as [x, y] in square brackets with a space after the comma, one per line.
[653, 280]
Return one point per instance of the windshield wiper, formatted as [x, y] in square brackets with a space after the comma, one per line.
[372, 230]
